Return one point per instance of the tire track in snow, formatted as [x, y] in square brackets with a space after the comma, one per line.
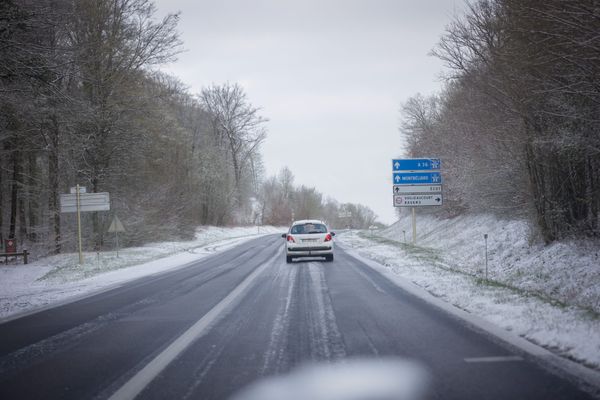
[328, 341]
[275, 356]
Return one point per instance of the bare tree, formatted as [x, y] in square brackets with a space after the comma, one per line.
[236, 125]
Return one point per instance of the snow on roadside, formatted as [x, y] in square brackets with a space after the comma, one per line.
[569, 331]
[566, 271]
[57, 278]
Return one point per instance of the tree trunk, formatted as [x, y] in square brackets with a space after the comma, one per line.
[14, 195]
[33, 197]
[98, 236]
[537, 184]
[53, 182]
[237, 173]
[1, 204]
[591, 209]
[22, 208]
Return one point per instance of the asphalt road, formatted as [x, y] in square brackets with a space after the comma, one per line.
[207, 330]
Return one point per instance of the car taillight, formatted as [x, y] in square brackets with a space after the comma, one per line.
[290, 238]
[328, 237]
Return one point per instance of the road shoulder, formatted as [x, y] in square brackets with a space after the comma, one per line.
[495, 310]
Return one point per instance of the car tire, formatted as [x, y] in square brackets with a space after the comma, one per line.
[288, 259]
[329, 258]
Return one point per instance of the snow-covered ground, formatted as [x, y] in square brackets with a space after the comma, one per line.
[58, 278]
[549, 295]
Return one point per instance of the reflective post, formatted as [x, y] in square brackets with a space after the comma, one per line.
[117, 240]
[485, 237]
[79, 225]
[414, 226]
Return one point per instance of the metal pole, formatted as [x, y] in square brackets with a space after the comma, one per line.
[117, 240]
[414, 226]
[485, 237]
[79, 225]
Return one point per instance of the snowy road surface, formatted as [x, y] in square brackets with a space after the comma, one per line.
[210, 329]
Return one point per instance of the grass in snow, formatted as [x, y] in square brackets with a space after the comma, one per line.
[433, 257]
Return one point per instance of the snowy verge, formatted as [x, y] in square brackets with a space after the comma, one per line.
[55, 279]
[566, 271]
[568, 331]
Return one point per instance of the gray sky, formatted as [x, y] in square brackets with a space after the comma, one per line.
[329, 75]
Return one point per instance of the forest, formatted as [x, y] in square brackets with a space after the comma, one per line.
[517, 124]
[83, 101]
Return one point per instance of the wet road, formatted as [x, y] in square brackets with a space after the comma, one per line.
[207, 330]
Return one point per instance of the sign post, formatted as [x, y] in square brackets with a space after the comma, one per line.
[417, 182]
[116, 226]
[79, 201]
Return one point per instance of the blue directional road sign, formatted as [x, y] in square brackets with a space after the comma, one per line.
[416, 164]
[416, 178]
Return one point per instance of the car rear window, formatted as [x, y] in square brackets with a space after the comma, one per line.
[308, 228]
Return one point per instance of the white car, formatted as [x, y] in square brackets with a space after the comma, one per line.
[308, 238]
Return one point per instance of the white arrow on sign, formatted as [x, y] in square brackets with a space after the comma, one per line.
[417, 189]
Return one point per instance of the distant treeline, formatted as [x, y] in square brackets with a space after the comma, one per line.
[280, 202]
[82, 101]
[518, 122]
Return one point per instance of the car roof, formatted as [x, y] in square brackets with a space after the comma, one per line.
[308, 221]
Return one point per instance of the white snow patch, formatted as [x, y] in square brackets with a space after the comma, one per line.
[58, 278]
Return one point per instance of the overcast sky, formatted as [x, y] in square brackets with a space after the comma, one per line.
[329, 75]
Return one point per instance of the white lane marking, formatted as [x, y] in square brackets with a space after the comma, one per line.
[493, 359]
[139, 381]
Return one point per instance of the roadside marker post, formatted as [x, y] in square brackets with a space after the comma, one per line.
[414, 226]
[116, 226]
[485, 237]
